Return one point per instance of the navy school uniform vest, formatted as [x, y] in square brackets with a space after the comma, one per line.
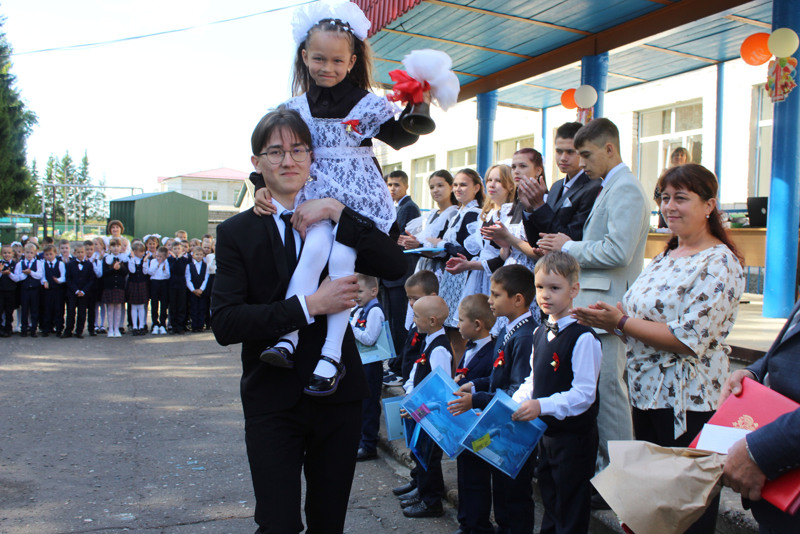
[30, 282]
[424, 362]
[552, 373]
[50, 273]
[363, 313]
[177, 272]
[197, 279]
[138, 274]
[411, 350]
[6, 283]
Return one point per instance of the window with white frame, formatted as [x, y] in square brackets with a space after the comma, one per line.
[208, 195]
[663, 130]
[462, 158]
[421, 169]
[504, 150]
[760, 143]
[389, 168]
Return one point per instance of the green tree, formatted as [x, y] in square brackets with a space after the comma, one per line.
[16, 185]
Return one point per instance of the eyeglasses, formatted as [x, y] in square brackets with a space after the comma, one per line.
[276, 155]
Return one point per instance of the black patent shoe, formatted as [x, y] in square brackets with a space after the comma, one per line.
[279, 356]
[405, 488]
[319, 386]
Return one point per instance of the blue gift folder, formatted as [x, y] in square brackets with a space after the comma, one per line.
[395, 429]
[504, 443]
[427, 405]
[383, 349]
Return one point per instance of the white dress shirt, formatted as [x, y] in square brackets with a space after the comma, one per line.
[197, 265]
[439, 357]
[372, 326]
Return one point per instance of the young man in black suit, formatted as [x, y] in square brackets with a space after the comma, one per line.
[287, 432]
[569, 200]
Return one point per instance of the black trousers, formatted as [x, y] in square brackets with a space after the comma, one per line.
[29, 308]
[198, 309]
[315, 439]
[177, 308]
[79, 304]
[430, 482]
[159, 299]
[8, 301]
[513, 500]
[371, 407]
[566, 464]
[474, 494]
[656, 427]
[52, 310]
[395, 303]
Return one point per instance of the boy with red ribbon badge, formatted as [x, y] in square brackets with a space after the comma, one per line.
[429, 316]
[511, 294]
[562, 390]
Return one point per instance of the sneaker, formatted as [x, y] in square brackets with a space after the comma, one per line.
[392, 379]
[155, 330]
[162, 330]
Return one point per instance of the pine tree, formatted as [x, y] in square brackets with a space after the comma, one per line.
[16, 186]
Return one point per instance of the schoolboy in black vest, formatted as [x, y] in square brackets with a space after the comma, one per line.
[562, 390]
[367, 324]
[196, 281]
[420, 284]
[177, 288]
[28, 273]
[475, 322]
[80, 285]
[429, 316]
[511, 293]
[8, 289]
[52, 300]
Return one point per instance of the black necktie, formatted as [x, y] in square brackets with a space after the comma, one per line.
[288, 241]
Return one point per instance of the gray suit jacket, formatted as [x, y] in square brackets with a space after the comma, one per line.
[612, 250]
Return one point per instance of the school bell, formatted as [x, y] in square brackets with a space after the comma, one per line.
[418, 121]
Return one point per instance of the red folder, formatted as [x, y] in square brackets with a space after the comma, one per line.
[755, 407]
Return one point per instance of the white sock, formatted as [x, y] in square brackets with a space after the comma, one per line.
[341, 263]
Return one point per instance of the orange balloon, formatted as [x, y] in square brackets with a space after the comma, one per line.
[754, 49]
[568, 99]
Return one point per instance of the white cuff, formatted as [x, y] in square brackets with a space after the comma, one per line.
[303, 304]
[567, 246]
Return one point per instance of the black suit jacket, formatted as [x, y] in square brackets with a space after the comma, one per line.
[515, 369]
[79, 280]
[480, 365]
[776, 446]
[407, 210]
[561, 216]
[249, 307]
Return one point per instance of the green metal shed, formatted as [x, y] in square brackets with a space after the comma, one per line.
[161, 213]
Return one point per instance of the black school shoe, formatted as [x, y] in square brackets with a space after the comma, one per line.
[279, 356]
[405, 488]
[319, 386]
[423, 510]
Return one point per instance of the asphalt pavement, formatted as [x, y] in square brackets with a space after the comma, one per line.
[145, 434]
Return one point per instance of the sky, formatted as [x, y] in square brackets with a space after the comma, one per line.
[159, 106]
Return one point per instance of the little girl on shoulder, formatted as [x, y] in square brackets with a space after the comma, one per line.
[332, 80]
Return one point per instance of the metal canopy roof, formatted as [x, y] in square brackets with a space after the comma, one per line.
[530, 49]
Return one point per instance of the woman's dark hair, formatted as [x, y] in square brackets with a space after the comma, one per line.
[476, 180]
[282, 117]
[535, 156]
[699, 180]
[447, 177]
[361, 73]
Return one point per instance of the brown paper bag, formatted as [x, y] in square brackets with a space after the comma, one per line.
[658, 490]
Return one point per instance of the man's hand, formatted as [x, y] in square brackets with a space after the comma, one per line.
[531, 192]
[527, 411]
[313, 211]
[462, 404]
[552, 242]
[733, 385]
[741, 473]
[263, 202]
[333, 296]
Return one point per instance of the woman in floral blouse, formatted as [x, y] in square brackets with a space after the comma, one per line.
[676, 315]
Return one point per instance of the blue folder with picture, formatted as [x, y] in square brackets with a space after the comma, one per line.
[395, 429]
[383, 349]
[427, 405]
[504, 443]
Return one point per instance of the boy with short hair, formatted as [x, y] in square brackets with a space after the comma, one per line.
[8, 289]
[196, 273]
[29, 273]
[80, 285]
[177, 288]
[52, 301]
[475, 322]
[561, 389]
[158, 270]
[367, 324]
[512, 291]
[429, 316]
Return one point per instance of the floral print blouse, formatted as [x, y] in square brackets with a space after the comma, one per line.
[697, 297]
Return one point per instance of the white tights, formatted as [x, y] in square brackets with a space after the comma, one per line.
[138, 316]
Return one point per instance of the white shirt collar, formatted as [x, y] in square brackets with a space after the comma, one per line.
[613, 171]
[430, 337]
[513, 323]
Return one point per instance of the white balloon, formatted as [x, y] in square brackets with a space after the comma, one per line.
[783, 42]
[585, 96]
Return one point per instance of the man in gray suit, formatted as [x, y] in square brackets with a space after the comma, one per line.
[611, 254]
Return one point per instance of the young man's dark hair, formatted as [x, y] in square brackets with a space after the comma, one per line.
[568, 130]
[599, 132]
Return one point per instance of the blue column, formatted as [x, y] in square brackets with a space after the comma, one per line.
[487, 111]
[594, 72]
[545, 138]
[718, 125]
[783, 213]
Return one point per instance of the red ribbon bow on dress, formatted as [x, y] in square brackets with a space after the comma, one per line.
[462, 371]
[406, 88]
[352, 125]
[556, 362]
[422, 360]
[501, 359]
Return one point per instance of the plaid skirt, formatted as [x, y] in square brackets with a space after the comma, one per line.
[137, 292]
[113, 296]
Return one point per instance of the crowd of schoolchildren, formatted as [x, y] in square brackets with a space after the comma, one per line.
[101, 285]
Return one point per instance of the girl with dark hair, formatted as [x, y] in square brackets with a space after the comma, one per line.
[332, 96]
[675, 318]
